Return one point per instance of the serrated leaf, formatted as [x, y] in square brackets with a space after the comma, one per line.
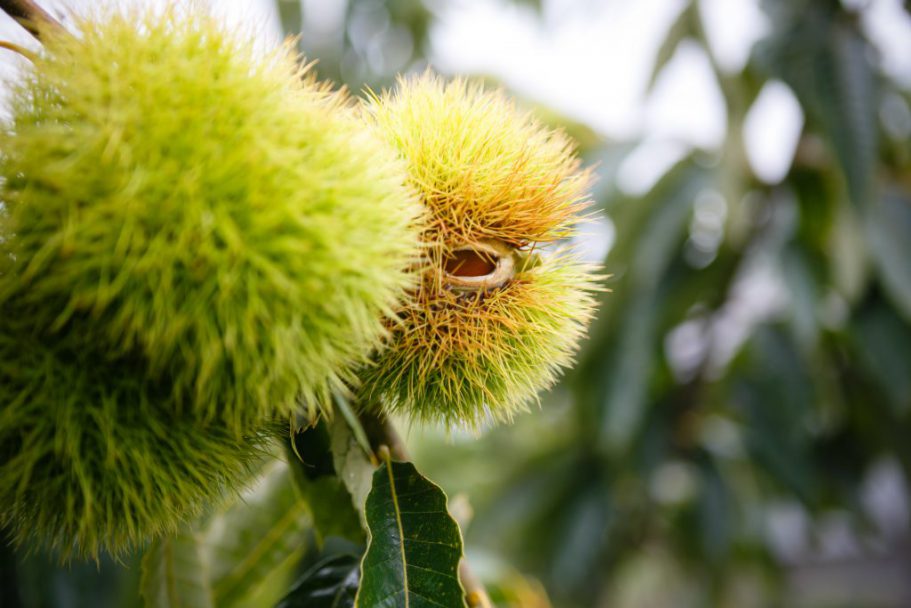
[415, 545]
[332, 583]
[259, 535]
[174, 574]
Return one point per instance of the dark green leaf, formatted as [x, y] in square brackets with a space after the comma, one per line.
[332, 583]
[415, 545]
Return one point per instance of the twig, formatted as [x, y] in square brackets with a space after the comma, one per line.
[30, 16]
[381, 432]
[17, 49]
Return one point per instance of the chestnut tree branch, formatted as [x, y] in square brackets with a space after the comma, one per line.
[30, 16]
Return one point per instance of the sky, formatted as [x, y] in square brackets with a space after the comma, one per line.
[552, 60]
[551, 57]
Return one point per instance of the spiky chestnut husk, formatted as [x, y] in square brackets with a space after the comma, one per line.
[492, 323]
[214, 209]
[94, 455]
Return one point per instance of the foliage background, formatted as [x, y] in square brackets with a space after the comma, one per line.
[737, 430]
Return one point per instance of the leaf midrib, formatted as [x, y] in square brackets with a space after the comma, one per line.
[398, 522]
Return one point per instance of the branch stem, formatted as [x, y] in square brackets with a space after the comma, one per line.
[30, 16]
[17, 49]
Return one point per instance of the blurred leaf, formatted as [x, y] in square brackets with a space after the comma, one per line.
[888, 224]
[803, 292]
[650, 577]
[290, 15]
[613, 379]
[773, 390]
[582, 527]
[821, 54]
[516, 591]
[174, 574]
[44, 583]
[535, 4]
[849, 254]
[414, 15]
[415, 545]
[715, 506]
[527, 500]
[263, 533]
[682, 28]
[883, 345]
[332, 583]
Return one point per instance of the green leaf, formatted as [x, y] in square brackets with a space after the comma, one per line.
[332, 583]
[415, 545]
[263, 533]
[330, 503]
[352, 465]
[174, 574]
